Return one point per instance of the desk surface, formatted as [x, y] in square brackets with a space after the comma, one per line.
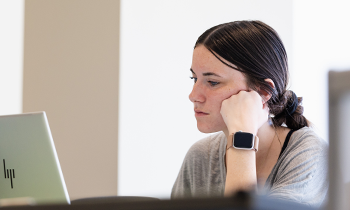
[240, 201]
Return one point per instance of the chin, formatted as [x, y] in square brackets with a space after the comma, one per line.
[207, 129]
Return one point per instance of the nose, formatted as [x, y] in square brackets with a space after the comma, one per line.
[196, 94]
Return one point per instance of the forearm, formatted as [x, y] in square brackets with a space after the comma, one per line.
[242, 112]
[241, 170]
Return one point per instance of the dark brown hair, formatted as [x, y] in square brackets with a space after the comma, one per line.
[256, 50]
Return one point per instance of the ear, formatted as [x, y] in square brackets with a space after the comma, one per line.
[265, 95]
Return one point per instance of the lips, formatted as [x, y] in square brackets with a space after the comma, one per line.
[199, 113]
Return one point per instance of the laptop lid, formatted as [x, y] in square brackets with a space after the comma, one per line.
[339, 140]
[30, 166]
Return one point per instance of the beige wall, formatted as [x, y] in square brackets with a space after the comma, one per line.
[71, 65]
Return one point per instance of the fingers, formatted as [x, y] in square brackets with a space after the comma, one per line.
[245, 110]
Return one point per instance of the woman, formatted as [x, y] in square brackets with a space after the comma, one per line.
[240, 75]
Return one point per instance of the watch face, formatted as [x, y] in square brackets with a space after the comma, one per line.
[243, 140]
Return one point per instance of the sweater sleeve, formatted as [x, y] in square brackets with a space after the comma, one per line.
[201, 173]
[301, 174]
[184, 184]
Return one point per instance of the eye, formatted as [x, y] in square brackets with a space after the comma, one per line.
[213, 83]
[194, 78]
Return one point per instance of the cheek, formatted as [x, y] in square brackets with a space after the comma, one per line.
[218, 98]
[215, 102]
[215, 122]
[215, 108]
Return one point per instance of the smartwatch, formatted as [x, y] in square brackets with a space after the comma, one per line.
[246, 141]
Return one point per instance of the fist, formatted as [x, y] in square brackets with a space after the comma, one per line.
[244, 111]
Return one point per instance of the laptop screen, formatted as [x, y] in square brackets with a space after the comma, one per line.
[30, 166]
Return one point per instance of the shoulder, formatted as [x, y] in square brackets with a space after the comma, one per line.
[305, 147]
[300, 173]
[207, 145]
[307, 140]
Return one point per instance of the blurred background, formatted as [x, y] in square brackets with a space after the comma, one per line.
[113, 78]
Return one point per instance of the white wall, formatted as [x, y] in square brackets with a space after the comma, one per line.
[157, 124]
[11, 56]
[321, 43]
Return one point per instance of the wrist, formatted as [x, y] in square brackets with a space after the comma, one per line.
[243, 140]
[246, 130]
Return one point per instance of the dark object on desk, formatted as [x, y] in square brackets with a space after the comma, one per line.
[112, 199]
[339, 144]
[240, 201]
[268, 203]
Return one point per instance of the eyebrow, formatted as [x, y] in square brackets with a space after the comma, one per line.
[207, 73]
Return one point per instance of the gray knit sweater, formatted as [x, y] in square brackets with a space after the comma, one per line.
[300, 173]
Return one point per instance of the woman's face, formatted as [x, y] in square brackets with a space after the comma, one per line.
[214, 82]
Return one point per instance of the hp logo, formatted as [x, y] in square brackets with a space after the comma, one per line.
[9, 173]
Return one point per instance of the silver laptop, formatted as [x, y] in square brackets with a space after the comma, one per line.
[30, 166]
[339, 140]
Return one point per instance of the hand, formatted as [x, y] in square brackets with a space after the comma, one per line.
[244, 111]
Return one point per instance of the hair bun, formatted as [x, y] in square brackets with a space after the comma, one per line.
[289, 111]
[292, 103]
